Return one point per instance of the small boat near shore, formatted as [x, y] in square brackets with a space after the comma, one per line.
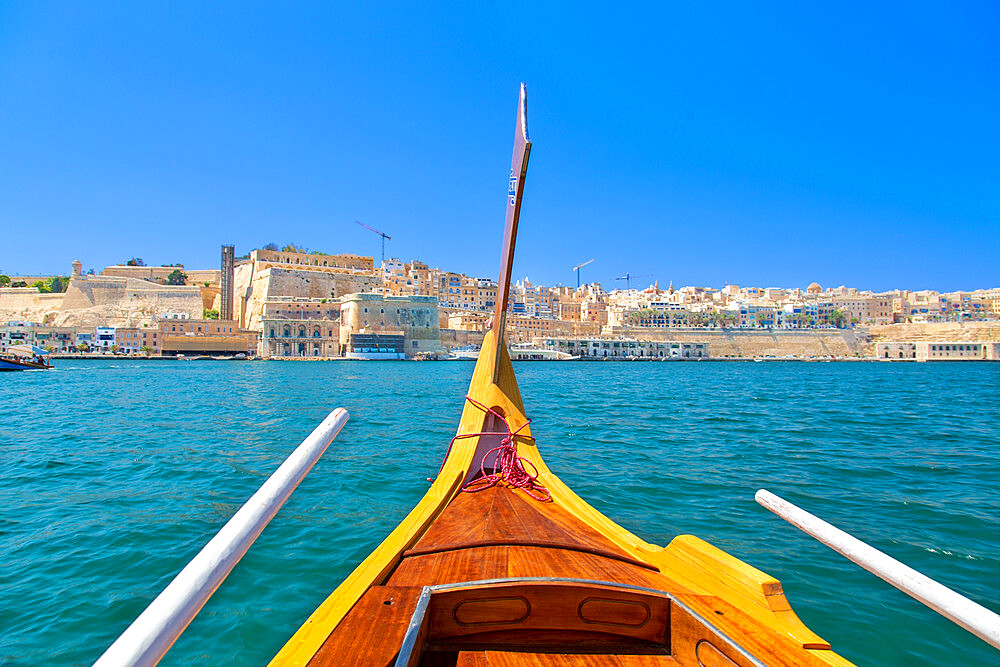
[25, 358]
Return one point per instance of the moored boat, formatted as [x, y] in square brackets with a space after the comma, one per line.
[25, 358]
[501, 563]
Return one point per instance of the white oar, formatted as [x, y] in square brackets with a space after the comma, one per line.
[974, 617]
[157, 628]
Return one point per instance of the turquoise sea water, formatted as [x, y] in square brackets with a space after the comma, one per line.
[115, 473]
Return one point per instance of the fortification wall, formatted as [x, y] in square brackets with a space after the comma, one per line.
[937, 331]
[254, 287]
[460, 338]
[149, 273]
[211, 297]
[28, 304]
[110, 301]
[103, 301]
[759, 343]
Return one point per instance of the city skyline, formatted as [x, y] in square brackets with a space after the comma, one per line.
[740, 145]
[639, 282]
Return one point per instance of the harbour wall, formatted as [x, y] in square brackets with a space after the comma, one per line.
[724, 343]
[948, 332]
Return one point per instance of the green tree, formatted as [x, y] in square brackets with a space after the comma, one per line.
[115, 349]
[147, 350]
[837, 318]
[135, 261]
[177, 277]
[58, 284]
[41, 286]
[209, 314]
[4, 280]
[19, 283]
[81, 347]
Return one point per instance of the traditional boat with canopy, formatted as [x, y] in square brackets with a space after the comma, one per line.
[25, 358]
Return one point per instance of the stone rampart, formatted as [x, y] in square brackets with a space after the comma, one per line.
[28, 304]
[111, 301]
[254, 287]
[758, 342]
[959, 332]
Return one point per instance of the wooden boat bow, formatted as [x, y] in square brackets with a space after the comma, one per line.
[495, 576]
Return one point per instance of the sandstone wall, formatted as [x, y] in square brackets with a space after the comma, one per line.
[756, 343]
[100, 301]
[460, 338]
[26, 303]
[253, 288]
[959, 332]
[149, 273]
[211, 297]
[108, 301]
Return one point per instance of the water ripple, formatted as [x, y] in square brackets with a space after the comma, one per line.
[114, 474]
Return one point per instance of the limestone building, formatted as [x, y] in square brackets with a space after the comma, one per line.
[205, 337]
[414, 318]
[270, 274]
[298, 327]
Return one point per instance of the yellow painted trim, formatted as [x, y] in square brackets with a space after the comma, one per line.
[304, 644]
[693, 565]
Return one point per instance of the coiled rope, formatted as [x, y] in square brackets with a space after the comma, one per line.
[508, 468]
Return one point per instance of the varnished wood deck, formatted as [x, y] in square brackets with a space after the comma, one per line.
[499, 533]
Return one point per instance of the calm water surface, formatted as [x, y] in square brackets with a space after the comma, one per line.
[115, 473]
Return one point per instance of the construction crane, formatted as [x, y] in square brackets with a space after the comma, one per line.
[628, 278]
[385, 237]
[577, 269]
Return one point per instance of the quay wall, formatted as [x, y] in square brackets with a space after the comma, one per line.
[947, 332]
[724, 343]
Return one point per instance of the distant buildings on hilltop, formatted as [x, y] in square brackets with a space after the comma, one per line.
[280, 303]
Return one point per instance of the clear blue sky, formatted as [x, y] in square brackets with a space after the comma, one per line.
[766, 145]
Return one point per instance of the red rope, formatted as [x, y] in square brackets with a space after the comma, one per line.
[508, 467]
